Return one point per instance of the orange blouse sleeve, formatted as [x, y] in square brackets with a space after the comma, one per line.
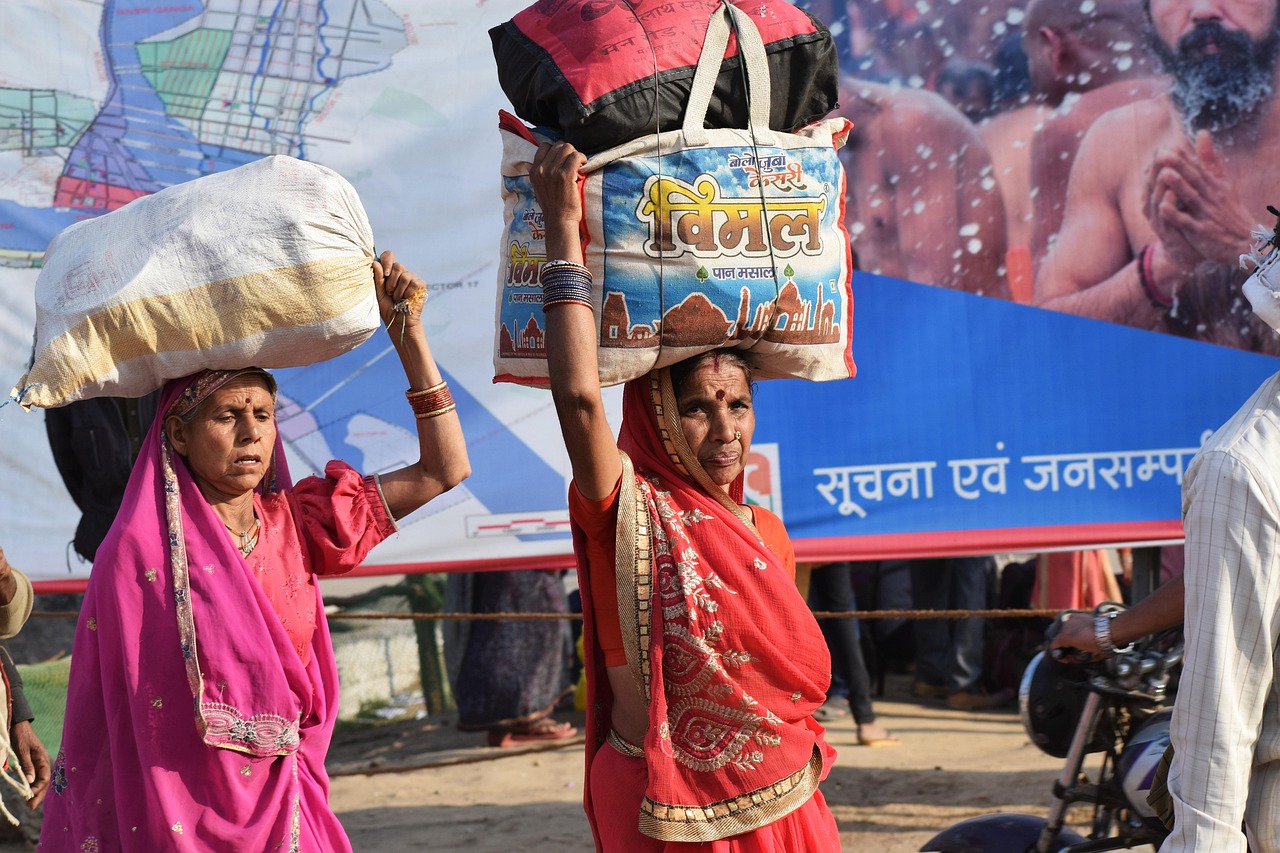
[598, 520]
[775, 537]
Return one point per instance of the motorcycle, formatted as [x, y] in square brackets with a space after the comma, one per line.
[1119, 706]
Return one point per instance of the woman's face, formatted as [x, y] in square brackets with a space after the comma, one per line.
[717, 417]
[229, 442]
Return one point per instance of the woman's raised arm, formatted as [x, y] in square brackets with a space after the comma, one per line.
[571, 325]
[442, 462]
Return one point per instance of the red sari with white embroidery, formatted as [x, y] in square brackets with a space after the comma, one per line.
[724, 650]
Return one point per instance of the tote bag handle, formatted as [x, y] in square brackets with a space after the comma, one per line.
[754, 59]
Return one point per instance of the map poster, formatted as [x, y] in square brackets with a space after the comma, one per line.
[101, 102]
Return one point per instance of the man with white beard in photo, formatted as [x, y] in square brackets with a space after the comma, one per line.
[1165, 191]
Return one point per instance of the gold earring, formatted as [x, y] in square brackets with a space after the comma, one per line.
[737, 435]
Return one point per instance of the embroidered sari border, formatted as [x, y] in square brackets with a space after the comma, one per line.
[181, 578]
[634, 574]
[261, 734]
[733, 816]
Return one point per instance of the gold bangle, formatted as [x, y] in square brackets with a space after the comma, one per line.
[411, 393]
[435, 413]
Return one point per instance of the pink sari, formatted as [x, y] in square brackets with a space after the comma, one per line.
[192, 721]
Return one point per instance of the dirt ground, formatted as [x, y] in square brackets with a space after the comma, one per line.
[424, 786]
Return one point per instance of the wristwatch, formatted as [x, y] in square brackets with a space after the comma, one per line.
[1102, 634]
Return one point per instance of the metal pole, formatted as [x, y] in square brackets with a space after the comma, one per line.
[1146, 572]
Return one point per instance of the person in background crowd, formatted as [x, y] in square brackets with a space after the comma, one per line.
[686, 592]
[1013, 74]
[949, 651]
[203, 688]
[507, 675]
[970, 87]
[1077, 580]
[831, 590]
[94, 443]
[1087, 65]
[1070, 48]
[1151, 233]
[33, 759]
[921, 204]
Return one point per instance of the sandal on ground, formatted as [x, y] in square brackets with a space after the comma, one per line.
[889, 739]
[545, 729]
[832, 709]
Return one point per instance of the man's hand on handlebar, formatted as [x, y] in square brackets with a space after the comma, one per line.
[1073, 640]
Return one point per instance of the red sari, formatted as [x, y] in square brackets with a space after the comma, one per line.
[724, 650]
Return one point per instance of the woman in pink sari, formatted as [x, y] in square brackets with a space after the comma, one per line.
[704, 665]
[203, 689]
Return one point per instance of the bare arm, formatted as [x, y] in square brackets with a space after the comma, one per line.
[571, 331]
[1054, 145]
[952, 219]
[1092, 270]
[442, 462]
[1057, 141]
[1160, 610]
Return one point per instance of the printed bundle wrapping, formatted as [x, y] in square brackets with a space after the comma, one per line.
[602, 74]
[696, 239]
[265, 265]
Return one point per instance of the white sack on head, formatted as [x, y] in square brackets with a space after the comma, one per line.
[265, 265]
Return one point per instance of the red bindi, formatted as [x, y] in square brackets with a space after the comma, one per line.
[720, 394]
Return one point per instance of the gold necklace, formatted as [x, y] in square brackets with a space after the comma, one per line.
[247, 542]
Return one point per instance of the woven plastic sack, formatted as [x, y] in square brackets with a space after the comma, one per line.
[264, 265]
[603, 74]
[696, 239]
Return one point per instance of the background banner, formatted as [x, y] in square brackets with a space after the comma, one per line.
[975, 424]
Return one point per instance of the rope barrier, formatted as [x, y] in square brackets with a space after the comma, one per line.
[822, 614]
[546, 617]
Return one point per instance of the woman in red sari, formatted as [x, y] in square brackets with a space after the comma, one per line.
[704, 663]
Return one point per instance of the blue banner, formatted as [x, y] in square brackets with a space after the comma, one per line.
[980, 425]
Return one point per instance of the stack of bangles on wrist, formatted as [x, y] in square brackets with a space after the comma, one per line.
[565, 282]
[431, 402]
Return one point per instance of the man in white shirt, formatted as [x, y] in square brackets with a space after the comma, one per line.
[1224, 780]
[1226, 721]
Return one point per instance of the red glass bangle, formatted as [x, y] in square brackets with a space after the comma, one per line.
[431, 402]
[1146, 278]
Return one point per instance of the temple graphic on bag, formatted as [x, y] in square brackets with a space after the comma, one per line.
[697, 321]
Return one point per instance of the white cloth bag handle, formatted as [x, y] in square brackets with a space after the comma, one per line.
[754, 59]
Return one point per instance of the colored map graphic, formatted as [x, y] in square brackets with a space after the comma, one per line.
[192, 89]
[110, 100]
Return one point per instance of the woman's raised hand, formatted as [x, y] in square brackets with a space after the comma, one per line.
[401, 293]
[555, 178]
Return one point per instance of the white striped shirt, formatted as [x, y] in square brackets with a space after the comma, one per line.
[1226, 721]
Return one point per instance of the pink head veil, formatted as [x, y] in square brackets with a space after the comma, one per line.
[168, 534]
